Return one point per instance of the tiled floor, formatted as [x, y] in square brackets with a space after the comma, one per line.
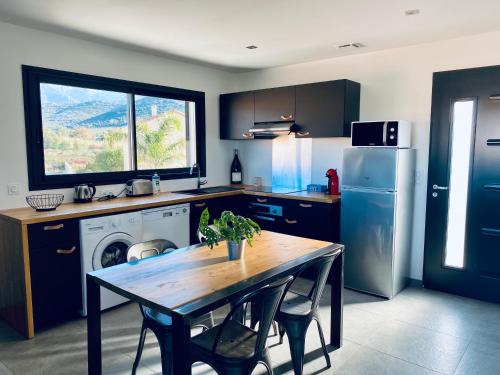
[418, 332]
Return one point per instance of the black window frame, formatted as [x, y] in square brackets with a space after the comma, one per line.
[32, 76]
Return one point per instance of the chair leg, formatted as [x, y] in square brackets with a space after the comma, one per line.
[275, 329]
[140, 347]
[166, 363]
[266, 361]
[281, 331]
[323, 345]
[212, 322]
[296, 333]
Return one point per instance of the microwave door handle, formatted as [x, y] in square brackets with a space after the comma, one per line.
[384, 134]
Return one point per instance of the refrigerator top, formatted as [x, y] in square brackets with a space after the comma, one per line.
[370, 168]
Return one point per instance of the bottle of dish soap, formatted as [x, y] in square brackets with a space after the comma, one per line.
[156, 183]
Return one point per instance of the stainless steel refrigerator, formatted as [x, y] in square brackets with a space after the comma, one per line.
[376, 218]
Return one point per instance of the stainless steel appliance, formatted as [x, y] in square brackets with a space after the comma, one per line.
[376, 218]
[381, 134]
[84, 193]
[138, 188]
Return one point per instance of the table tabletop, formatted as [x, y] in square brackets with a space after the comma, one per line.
[184, 280]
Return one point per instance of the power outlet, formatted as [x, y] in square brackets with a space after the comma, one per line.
[13, 189]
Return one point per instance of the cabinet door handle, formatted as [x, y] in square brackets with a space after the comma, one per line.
[53, 227]
[261, 200]
[289, 221]
[305, 205]
[247, 135]
[200, 204]
[302, 134]
[286, 117]
[66, 251]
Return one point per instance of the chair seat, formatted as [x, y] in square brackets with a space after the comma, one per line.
[295, 304]
[236, 342]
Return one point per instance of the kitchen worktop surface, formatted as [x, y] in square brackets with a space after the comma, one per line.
[27, 215]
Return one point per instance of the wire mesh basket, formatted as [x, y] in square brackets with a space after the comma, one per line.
[45, 202]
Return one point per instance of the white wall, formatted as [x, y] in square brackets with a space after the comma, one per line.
[395, 84]
[20, 45]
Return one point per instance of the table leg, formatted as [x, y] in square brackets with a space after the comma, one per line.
[94, 327]
[337, 301]
[181, 350]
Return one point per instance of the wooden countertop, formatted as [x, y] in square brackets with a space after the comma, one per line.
[27, 215]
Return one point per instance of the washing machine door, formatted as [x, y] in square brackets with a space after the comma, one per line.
[112, 250]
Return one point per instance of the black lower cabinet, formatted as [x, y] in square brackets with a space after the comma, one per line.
[215, 207]
[55, 272]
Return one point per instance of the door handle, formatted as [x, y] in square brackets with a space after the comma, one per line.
[198, 205]
[53, 227]
[302, 134]
[247, 135]
[286, 117]
[437, 187]
[66, 251]
[289, 221]
[305, 205]
[261, 200]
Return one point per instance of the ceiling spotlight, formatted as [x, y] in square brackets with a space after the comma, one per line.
[350, 45]
[412, 12]
[251, 47]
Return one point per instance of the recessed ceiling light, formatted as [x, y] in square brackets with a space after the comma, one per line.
[251, 47]
[412, 12]
[350, 45]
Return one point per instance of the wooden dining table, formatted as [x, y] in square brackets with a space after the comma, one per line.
[192, 281]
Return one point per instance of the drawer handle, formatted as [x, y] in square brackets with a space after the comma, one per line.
[288, 221]
[286, 117]
[305, 205]
[53, 227]
[261, 200]
[200, 204]
[66, 251]
[302, 134]
[247, 135]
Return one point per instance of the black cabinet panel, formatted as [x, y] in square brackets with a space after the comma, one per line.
[55, 271]
[326, 109]
[275, 105]
[236, 115]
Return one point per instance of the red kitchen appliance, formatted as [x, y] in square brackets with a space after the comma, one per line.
[333, 182]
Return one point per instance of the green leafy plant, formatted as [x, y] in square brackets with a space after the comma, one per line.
[229, 226]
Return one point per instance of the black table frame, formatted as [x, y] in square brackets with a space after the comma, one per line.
[182, 316]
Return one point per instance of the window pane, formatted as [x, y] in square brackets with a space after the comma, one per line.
[84, 130]
[165, 133]
[461, 144]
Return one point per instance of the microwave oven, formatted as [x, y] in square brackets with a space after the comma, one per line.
[381, 134]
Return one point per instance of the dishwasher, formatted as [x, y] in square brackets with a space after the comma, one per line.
[170, 223]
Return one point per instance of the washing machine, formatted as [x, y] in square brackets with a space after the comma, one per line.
[169, 223]
[104, 242]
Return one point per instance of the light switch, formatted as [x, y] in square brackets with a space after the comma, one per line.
[13, 189]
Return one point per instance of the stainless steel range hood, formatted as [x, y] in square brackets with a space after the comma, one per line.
[272, 129]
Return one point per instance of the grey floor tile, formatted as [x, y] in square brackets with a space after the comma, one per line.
[480, 359]
[371, 362]
[426, 348]
[4, 370]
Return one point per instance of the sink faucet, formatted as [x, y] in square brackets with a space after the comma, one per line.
[200, 181]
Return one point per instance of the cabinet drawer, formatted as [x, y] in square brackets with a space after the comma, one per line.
[55, 233]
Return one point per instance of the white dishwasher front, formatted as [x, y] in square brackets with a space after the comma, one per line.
[169, 223]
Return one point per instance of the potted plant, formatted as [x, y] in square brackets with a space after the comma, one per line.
[236, 230]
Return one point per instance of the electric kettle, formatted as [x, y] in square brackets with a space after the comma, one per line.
[84, 193]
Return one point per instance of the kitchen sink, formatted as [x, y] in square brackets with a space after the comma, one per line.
[208, 190]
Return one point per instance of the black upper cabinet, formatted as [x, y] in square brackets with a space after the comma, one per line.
[275, 105]
[326, 109]
[236, 115]
[322, 109]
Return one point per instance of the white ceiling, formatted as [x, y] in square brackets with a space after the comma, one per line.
[215, 32]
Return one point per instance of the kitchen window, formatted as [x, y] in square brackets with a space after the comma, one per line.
[82, 128]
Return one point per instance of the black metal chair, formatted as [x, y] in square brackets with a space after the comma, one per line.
[160, 324]
[297, 311]
[233, 348]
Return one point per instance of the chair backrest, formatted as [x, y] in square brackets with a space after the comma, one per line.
[148, 249]
[321, 268]
[272, 294]
[201, 237]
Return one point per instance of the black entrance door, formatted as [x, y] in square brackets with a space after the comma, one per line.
[462, 243]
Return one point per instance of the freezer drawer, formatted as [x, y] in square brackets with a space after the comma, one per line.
[370, 168]
[367, 231]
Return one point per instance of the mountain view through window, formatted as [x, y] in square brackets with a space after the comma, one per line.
[91, 131]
